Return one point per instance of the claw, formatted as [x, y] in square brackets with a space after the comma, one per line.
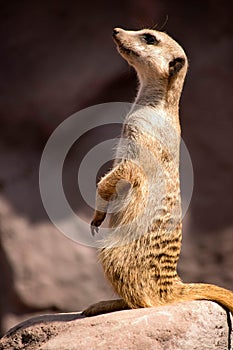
[94, 229]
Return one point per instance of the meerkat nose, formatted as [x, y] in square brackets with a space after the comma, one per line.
[115, 31]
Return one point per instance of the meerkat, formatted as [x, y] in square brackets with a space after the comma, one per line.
[140, 254]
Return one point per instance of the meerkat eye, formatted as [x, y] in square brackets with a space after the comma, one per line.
[150, 39]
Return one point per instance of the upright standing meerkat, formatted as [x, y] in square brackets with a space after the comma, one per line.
[140, 254]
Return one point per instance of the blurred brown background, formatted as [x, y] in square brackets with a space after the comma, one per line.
[58, 57]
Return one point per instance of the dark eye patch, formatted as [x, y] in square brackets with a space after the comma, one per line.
[150, 39]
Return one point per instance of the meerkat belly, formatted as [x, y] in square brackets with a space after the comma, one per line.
[153, 206]
[155, 199]
[141, 252]
[145, 269]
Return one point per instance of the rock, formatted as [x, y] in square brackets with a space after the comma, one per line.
[185, 326]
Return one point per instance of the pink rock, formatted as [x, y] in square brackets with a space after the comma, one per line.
[195, 325]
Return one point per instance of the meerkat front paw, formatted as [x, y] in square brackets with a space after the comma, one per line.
[97, 221]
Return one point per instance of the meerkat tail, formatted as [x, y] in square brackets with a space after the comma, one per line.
[202, 291]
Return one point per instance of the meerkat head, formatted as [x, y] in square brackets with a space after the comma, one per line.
[153, 54]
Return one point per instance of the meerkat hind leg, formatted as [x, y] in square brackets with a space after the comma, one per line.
[105, 307]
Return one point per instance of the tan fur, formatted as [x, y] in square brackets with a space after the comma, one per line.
[140, 254]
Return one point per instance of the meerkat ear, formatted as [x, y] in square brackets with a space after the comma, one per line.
[176, 65]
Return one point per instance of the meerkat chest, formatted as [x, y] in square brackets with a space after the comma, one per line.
[152, 141]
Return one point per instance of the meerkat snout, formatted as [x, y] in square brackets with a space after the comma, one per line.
[115, 31]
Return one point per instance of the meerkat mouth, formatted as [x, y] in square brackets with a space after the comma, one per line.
[124, 49]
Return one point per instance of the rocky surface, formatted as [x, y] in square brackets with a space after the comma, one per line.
[186, 326]
[58, 57]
